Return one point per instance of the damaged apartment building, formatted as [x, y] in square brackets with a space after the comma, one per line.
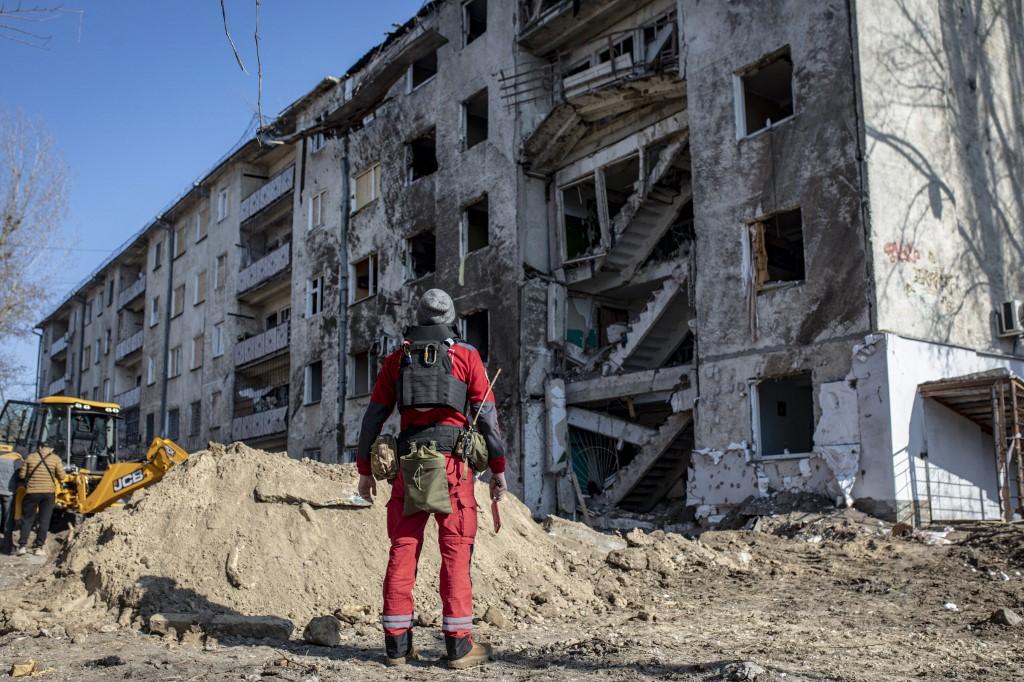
[718, 250]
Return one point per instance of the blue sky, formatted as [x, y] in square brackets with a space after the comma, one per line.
[142, 96]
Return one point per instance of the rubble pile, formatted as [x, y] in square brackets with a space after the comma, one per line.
[240, 532]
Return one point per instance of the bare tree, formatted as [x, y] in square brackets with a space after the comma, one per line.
[21, 23]
[33, 203]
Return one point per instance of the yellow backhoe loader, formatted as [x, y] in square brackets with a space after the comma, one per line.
[84, 434]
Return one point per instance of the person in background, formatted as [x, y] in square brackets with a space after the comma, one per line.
[40, 472]
[10, 463]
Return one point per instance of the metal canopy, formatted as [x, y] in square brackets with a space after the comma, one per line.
[993, 401]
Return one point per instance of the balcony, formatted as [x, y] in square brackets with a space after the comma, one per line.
[261, 346]
[551, 25]
[260, 424]
[59, 346]
[128, 347]
[265, 270]
[57, 386]
[129, 399]
[268, 194]
[131, 292]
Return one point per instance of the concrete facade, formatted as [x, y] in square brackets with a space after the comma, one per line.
[708, 265]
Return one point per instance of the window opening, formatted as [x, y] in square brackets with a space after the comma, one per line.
[621, 180]
[475, 113]
[777, 246]
[422, 70]
[422, 255]
[364, 278]
[474, 20]
[476, 329]
[362, 373]
[767, 93]
[785, 409]
[195, 422]
[367, 186]
[313, 383]
[314, 295]
[476, 225]
[422, 156]
[582, 225]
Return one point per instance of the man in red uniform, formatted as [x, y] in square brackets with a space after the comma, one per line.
[433, 401]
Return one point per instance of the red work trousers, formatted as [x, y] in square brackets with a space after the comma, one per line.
[455, 534]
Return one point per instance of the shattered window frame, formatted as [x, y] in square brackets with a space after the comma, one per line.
[411, 85]
[464, 225]
[470, 138]
[413, 149]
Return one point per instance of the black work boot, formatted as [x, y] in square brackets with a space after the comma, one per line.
[399, 648]
[463, 652]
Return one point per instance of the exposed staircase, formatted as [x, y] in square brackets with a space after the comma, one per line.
[657, 331]
[658, 465]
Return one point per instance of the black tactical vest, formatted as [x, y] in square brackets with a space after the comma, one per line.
[425, 378]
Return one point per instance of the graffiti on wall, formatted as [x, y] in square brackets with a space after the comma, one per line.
[901, 252]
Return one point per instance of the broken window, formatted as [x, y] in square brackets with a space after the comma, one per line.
[474, 20]
[422, 70]
[312, 383]
[612, 323]
[421, 154]
[421, 251]
[367, 186]
[582, 225]
[476, 225]
[764, 93]
[777, 245]
[362, 373]
[475, 116]
[619, 48]
[364, 278]
[314, 295]
[785, 412]
[476, 331]
[621, 179]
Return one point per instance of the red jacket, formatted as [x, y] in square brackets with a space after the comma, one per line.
[466, 367]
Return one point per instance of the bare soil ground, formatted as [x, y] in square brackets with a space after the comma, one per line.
[806, 596]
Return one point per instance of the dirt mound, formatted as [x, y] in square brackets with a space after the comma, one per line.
[240, 531]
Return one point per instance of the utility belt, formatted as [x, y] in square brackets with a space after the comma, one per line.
[443, 436]
[419, 453]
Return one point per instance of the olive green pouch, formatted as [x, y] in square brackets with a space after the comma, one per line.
[426, 480]
[472, 448]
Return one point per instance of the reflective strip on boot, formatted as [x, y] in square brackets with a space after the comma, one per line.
[455, 624]
[397, 622]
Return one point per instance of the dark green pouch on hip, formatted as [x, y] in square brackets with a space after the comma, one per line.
[426, 480]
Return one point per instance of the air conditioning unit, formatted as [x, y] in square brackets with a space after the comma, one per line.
[1010, 319]
[383, 346]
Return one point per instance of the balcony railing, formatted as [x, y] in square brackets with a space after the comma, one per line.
[129, 398]
[260, 424]
[59, 346]
[131, 292]
[260, 346]
[265, 269]
[272, 190]
[128, 346]
[57, 386]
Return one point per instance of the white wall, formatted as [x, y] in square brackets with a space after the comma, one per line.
[961, 465]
